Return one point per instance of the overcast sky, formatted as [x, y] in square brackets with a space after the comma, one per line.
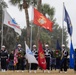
[57, 4]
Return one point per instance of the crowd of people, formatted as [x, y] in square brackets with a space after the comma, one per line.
[16, 60]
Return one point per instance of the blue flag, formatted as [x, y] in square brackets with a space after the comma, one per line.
[71, 56]
[58, 46]
[68, 21]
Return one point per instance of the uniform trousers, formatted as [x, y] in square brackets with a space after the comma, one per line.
[63, 65]
[48, 63]
[3, 64]
[20, 64]
[34, 66]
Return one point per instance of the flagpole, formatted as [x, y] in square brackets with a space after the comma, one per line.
[31, 32]
[31, 38]
[39, 29]
[63, 23]
[32, 16]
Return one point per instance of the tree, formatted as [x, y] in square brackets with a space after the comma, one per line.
[47, 36]
[24, 4]
[48, 11]
[44, 10]
[57, 30]
[9, 35]
[2, 5]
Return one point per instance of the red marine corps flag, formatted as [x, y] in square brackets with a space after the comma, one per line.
[41, 20]
[41, 57]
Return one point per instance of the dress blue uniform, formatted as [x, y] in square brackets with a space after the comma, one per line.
[63, 65]
[47, 57]
[4, 57]
[34, 66]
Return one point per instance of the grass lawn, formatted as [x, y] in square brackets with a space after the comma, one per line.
[39, 72]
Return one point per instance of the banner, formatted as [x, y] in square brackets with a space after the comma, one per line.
[11, 22]
[29, 56]
[42, 21]
[41, 57]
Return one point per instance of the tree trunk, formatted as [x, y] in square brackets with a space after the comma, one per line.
[28, 28]
[39, 5]
[27, 38]
[38, 28]
[25, 6]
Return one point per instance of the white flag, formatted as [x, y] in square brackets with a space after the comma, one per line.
[29, 55]
[9, 21]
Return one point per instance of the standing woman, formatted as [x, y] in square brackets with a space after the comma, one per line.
[4, 57]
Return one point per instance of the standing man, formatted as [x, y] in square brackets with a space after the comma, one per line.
[4, 57]
[47, 56]
[63, 66]
[20, 57]
[34, 66]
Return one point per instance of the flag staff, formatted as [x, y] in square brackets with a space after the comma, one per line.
[31, 38]
[32, 16]
[32, 4]
[63, 23]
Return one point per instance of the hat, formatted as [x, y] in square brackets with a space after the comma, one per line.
[63, 45]
[19, 45]
[3, 46]
[46, 45]
[34, 45]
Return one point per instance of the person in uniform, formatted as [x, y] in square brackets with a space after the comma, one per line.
[20, 57]
[4, 57]
[63, 64]
[47, 56]
[34, 66]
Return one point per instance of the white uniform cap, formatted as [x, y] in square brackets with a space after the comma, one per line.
[34, 45]
[3, 46]
[63, 45]
[46, 45]
[19, 45]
